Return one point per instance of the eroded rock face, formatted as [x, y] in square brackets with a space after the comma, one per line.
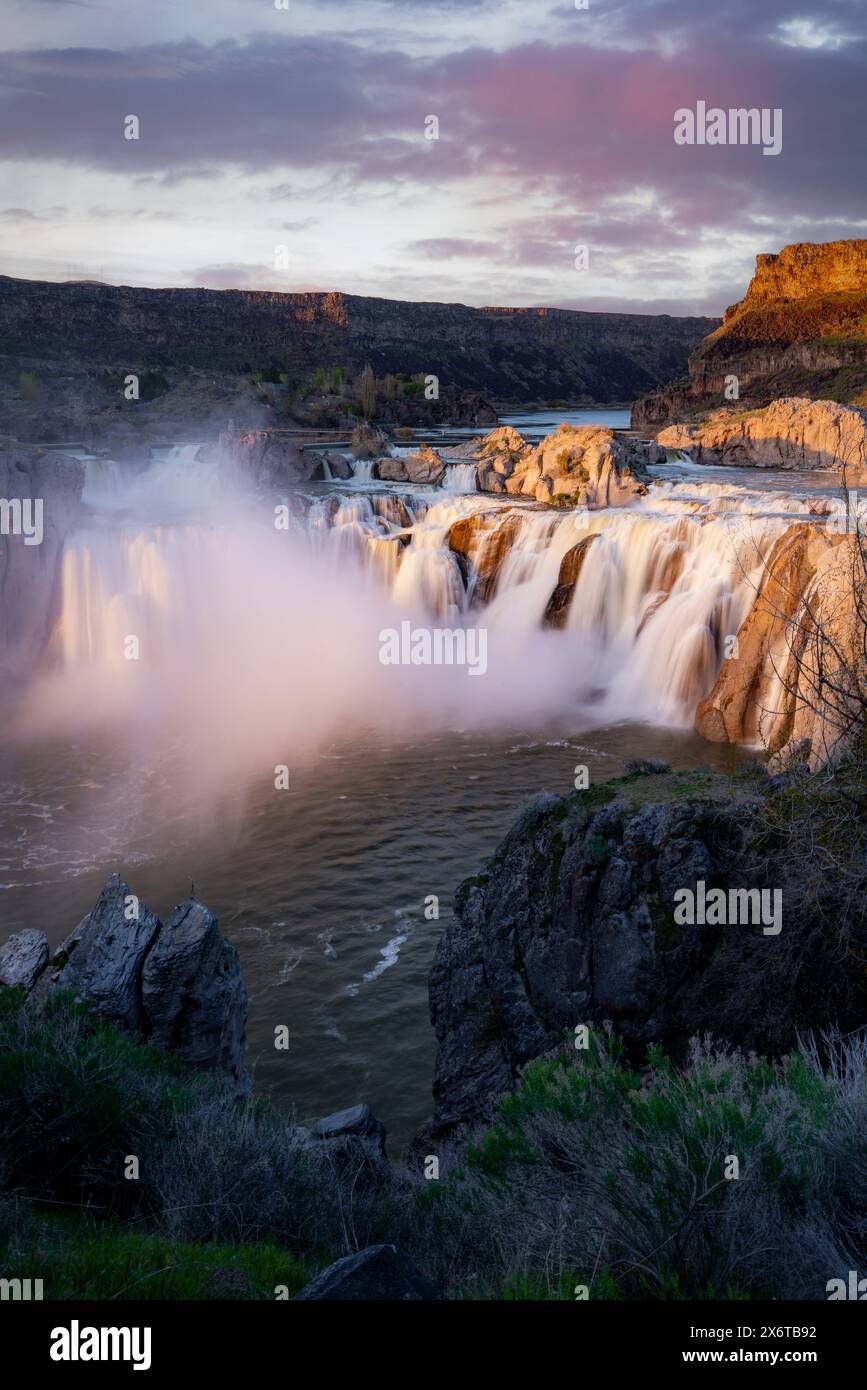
[483, 541]
[268, 457]
[793, 432]
[572, 922]
[178, 985]
[560, 601]
[797, 653]
[23, 958]
[193, 995]
[33, 482]
[799, 324]
[107, 953]
[587, 466]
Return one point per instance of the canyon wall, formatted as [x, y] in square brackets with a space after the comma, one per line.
[801, 329]
[793, 432]
[571, 922]
[83, 337]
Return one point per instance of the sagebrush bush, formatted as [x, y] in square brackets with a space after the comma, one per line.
[591, 1172]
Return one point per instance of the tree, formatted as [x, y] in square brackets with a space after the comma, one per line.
[319, 379]
[28, 386]
[368, 393]
[336, 379]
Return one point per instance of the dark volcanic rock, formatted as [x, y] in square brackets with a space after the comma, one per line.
[178, 985]
[23, 958]
[357, 1121]
[572, 922]
[193, 994]
[110, 947]
[533, 353]
[379, 1274]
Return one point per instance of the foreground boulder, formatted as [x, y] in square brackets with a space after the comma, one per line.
[794, 432]
[23, 958]
[178, 985]
[572, 922]
[379, 1274]
[193, 994]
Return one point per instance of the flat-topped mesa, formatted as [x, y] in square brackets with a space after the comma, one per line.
[177, 984]
[805, 269]
[794, 432]
[800, 330]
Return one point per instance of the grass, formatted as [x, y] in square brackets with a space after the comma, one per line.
[77, 1259]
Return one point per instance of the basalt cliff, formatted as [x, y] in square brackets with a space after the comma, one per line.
[81, 339]
[800, 330]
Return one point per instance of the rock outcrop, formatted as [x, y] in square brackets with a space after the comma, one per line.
[795, 677]
[43, 488]
[585, 465]
[571, 922]
[799, 330]
[270, 457]
[793, 432]
[178, 985]
[23, 958]
[426, 466]
[379, 1274]
[482, 542]
[571, 565]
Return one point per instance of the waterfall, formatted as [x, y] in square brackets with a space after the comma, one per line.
[103, 481]
[362, 469]
[212, 590]
[459, 478]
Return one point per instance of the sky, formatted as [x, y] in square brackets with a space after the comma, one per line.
[287, 148]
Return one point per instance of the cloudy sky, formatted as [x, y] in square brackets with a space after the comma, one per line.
[285, 148]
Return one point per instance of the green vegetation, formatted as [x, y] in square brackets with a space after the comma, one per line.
[28, 386]
[599, 1170]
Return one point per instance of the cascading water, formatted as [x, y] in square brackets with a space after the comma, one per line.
[662, 584]
[257, 650]
[459, 478]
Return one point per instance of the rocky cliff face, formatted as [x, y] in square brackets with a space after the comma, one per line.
[47, 488]
[522, 354]
[585, 465]
[794, 432]
[799, 330]
[793, 683]
[572, 923]
[177, 984]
